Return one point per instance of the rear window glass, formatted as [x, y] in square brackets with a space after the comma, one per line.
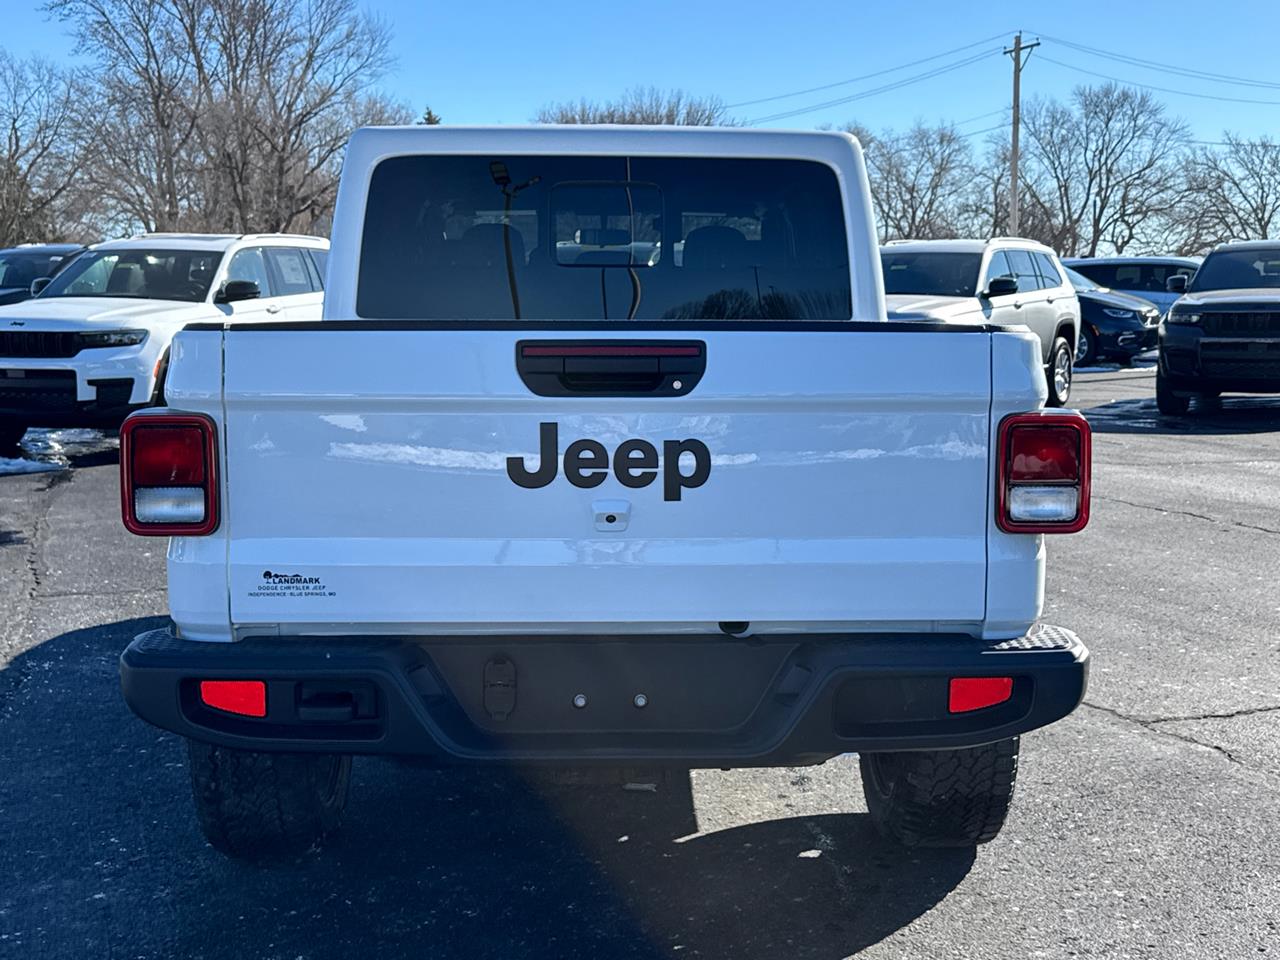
[930, 274]
[603, 238]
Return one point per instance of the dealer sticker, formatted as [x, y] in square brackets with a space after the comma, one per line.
[275, 584]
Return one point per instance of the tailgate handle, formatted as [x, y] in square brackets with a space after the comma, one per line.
[611, 368]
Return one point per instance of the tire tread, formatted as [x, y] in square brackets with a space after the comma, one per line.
[945, 798]
[258, 806]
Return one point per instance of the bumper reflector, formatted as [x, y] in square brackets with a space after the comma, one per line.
[248, 698]
[974, 693]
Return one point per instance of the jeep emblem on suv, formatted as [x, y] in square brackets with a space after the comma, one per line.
[635, 462]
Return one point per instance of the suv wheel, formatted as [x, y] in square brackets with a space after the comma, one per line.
[262, 806]
[1059, 373]
[11, 434]
[1086, 348]
[1168, 402]
[941, 798]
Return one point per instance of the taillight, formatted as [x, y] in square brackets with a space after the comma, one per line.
[1042, 473]
[168, 475]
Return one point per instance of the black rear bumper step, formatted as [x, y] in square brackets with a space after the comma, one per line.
[684, 701]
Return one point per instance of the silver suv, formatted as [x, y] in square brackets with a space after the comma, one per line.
[1005, 281]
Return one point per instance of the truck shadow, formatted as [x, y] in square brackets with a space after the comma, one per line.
[1234, 415]
[437, 863]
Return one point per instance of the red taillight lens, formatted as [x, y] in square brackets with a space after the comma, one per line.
[168, 474]
[168, 456]
[974, 693]
[1040, 454]
[248, 698]
[1043, 464]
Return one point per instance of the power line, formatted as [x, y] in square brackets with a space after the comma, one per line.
[998, 126]
[1149, 86]
[1165, 67]
[885, 88]
[865, 76]
[981, 116]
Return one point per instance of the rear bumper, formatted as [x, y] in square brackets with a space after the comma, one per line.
[708, 702]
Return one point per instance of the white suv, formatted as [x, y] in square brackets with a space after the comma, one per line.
[93, 344]
[1005, 281]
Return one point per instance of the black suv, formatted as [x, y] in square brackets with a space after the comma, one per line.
[21, 266]
[1223, 333]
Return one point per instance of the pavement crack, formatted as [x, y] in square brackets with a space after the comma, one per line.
[1188, 513]
[1246, 712]
[1150, 725]
[13, 676]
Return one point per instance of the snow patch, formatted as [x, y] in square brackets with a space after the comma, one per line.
[14, 465]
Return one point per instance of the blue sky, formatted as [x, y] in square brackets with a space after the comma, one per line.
[497, 63]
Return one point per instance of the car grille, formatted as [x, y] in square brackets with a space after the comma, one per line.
[1252, 324]
[1242, 369]
[42, 390]
[38, 343]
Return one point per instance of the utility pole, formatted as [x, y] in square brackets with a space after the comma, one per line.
[1016, 52]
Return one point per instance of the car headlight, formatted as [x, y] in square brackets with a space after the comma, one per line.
[1179, 317]
[113, 338]
[1118, 314]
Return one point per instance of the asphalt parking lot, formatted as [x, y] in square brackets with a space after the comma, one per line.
[1147, 823]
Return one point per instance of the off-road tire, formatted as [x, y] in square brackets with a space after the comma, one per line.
[266, 806]
[1058, 396]
[1167, 402]
[11, 434]
[941, 798]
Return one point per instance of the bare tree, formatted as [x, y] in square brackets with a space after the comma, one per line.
[1102, 169]
[642, 105]
[146, 109]
[1231, 193]
[229, 114]
[920, 180]
[41, 155]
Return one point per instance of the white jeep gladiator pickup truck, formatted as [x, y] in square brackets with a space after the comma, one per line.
[603, 453]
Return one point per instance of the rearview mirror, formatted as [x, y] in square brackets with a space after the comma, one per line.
[1176, 283]
[234, 290]
[38, 284]
[1002, 286]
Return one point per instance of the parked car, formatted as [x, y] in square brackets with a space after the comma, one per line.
[1223, 332]
[93, 345]
[499, 509]
[1113, 326]
[22, 266]
[1005, 281]
[1143, 277]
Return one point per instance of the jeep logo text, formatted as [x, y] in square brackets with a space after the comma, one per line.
[635, 463]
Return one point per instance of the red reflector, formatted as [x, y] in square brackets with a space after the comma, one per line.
[168, 456]
[1039, 454]
[245, 697]
[974, 693]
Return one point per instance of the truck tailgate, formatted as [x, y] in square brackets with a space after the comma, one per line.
[368, 483]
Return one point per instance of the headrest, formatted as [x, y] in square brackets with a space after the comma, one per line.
[715, 248]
